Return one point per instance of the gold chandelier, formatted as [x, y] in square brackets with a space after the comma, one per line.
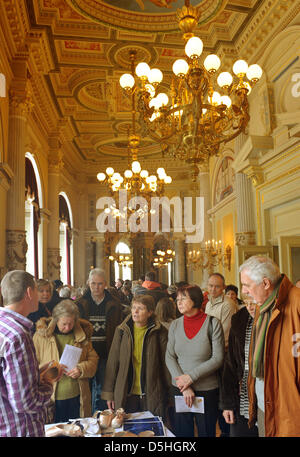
[136, 181]
[195, 119]
[209, 257]
[163, 258]
[122, 259]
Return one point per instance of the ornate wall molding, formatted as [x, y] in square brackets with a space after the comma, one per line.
[16, 249]
[53, 264]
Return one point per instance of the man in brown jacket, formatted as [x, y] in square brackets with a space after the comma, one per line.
[274, 355]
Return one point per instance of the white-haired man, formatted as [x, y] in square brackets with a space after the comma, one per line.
[23, 396]
[274, 355]
[105, 313]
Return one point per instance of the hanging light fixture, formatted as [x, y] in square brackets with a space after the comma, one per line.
[136, 181]
[163, 257]
[203, 109]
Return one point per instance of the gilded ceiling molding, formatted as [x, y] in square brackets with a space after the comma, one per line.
[272, 17]
[104, 13]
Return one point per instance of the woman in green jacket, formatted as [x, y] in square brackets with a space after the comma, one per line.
[136, 377]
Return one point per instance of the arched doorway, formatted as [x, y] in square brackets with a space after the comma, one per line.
[122, 271]
[65, 239]
[33, 203]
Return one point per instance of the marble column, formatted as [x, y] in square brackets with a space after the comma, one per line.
[142, 245]
[180, 262]
[204, 191]
[54, 168]
[245, 234]
[19, 108]
[100, 251]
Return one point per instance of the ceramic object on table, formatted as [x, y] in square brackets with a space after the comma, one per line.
[106, 418]
[118, 420]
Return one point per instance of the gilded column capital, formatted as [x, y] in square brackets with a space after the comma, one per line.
[55, 161]
[245, 238]
[20, 101]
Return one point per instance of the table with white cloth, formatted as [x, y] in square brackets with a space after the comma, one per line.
[131, 417]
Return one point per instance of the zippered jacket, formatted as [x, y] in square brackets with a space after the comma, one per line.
[282, 366]
[119, 373]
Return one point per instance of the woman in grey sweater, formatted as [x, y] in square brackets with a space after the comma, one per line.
[195, 352]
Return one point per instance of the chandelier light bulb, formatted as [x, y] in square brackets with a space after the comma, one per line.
[161, 173]
[180, 67]
[154, 103]
[212, 63]
[155, 76]
[110, 171]
[225, 100]
[128, 174]
[101, 177]
[144, 174]
[127, 81]
[224, 79]
[142, 70]
[254, 73]
[216, 98]
[136, 166]
[194, 47]
[116, 177]
[168, 179]
[163, 99]
[152, 179]
[240, 67]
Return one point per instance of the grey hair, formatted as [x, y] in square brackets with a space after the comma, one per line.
[65, 292]
[260, 267]
[14, 285]
[65, 308]
[96, 271]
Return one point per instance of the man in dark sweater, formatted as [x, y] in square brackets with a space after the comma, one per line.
[105, 313]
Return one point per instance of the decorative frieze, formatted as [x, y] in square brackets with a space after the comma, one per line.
[16, 249]
[53, 263]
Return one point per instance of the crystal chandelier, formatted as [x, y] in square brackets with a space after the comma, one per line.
[209, 257]
[195, 119]
[163, 258]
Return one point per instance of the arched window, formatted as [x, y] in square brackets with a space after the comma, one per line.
[122, 271]
[65, 240]
[32, 217]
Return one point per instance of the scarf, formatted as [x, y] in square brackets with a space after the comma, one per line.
[193, 324]
[259, 335]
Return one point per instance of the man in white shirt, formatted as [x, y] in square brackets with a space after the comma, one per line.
[219, 304]
[222, 307]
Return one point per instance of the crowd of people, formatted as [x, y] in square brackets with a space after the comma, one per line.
[146, 346]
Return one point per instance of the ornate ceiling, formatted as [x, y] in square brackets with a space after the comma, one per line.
[78, 49]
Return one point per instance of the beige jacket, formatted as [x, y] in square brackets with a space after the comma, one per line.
[46, 350]
[223, 309]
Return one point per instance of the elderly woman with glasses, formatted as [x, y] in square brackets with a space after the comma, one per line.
[71, 394]
[195, 352]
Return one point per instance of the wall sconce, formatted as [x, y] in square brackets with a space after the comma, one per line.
[211, 256]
